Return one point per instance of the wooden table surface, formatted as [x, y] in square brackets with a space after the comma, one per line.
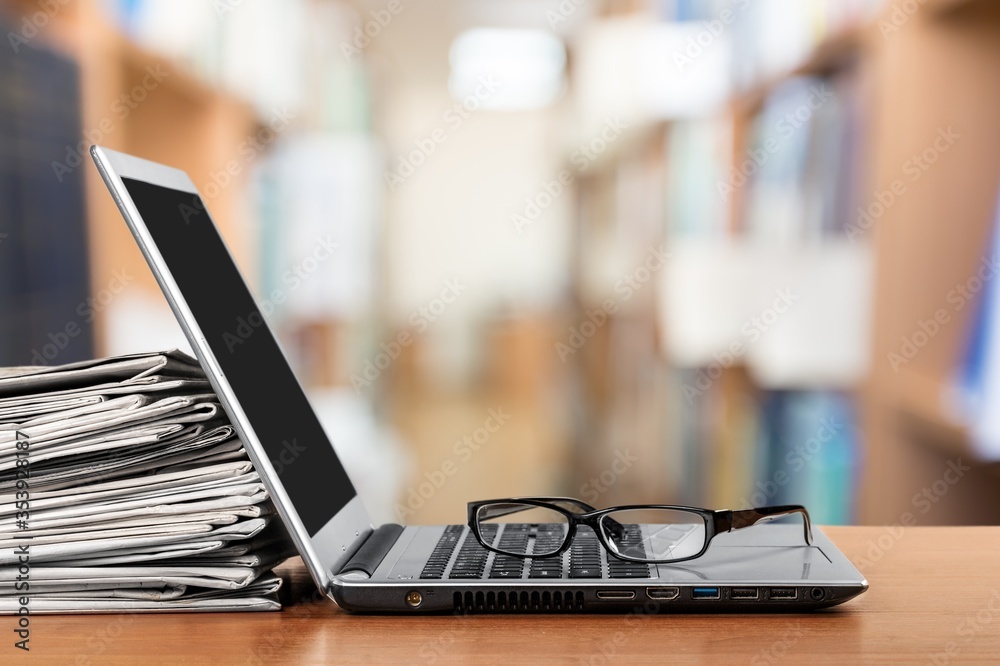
[934, 599]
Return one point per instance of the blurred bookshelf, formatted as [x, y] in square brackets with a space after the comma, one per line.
[191, 126]
[183, 99]
[257, 103]
[709, 171]
[795, 220]
[39, 287]
[928, 242]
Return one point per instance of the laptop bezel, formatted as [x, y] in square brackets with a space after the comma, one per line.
[325, 552]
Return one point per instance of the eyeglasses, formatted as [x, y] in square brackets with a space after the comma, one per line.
[537, 527]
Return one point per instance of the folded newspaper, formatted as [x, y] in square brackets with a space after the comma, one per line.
[123, 487]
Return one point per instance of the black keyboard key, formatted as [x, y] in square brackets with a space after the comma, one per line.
[585, 572]
[628, 573]
[544, 573]
[505, 573]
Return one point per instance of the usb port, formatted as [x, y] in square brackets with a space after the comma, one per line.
[783, 593]
[704, 593]
[615, 594]
[663, 593]
[744, 593]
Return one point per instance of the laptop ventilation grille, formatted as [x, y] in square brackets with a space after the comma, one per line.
[513, 602]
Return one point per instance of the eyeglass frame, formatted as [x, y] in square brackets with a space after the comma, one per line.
[716, 522]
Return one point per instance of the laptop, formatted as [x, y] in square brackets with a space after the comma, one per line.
[418, 569]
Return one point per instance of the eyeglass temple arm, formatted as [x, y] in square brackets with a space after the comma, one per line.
[727, 521]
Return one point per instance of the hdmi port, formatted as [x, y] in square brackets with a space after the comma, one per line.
[783, 593]
[665, 593]
[615, 594]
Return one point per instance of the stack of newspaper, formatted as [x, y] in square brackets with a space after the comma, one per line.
[123, 487]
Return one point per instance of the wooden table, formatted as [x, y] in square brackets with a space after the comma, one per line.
[934, 599]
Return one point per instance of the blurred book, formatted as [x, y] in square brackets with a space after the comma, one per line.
[44, 267]
[285, 55]
[809, 454]
[126, 488]
[697, 153]
[978, 385]
[776, 162]
[772, 37]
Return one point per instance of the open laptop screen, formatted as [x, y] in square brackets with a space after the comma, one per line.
[246, 350]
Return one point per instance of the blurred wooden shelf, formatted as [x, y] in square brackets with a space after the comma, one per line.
[921, 399]
[946, 7]
[922, 402]
[136, 59]
[141, 102]
[933, 78]
[832, 54]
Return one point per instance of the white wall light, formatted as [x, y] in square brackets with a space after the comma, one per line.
[506, 69]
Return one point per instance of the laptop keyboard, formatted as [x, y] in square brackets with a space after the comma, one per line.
[441, 555]
[586, 557]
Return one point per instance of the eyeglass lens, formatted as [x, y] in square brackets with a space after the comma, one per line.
[640, 534]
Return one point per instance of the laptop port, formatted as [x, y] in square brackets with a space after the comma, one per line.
[704, 593]
[615, 594]
[663, 593]
[744, 593]
[817, 594]
[783, 593]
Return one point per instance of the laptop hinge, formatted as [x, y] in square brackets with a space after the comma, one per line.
[371, 553]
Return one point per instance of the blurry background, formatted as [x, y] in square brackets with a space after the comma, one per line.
[724, 253]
